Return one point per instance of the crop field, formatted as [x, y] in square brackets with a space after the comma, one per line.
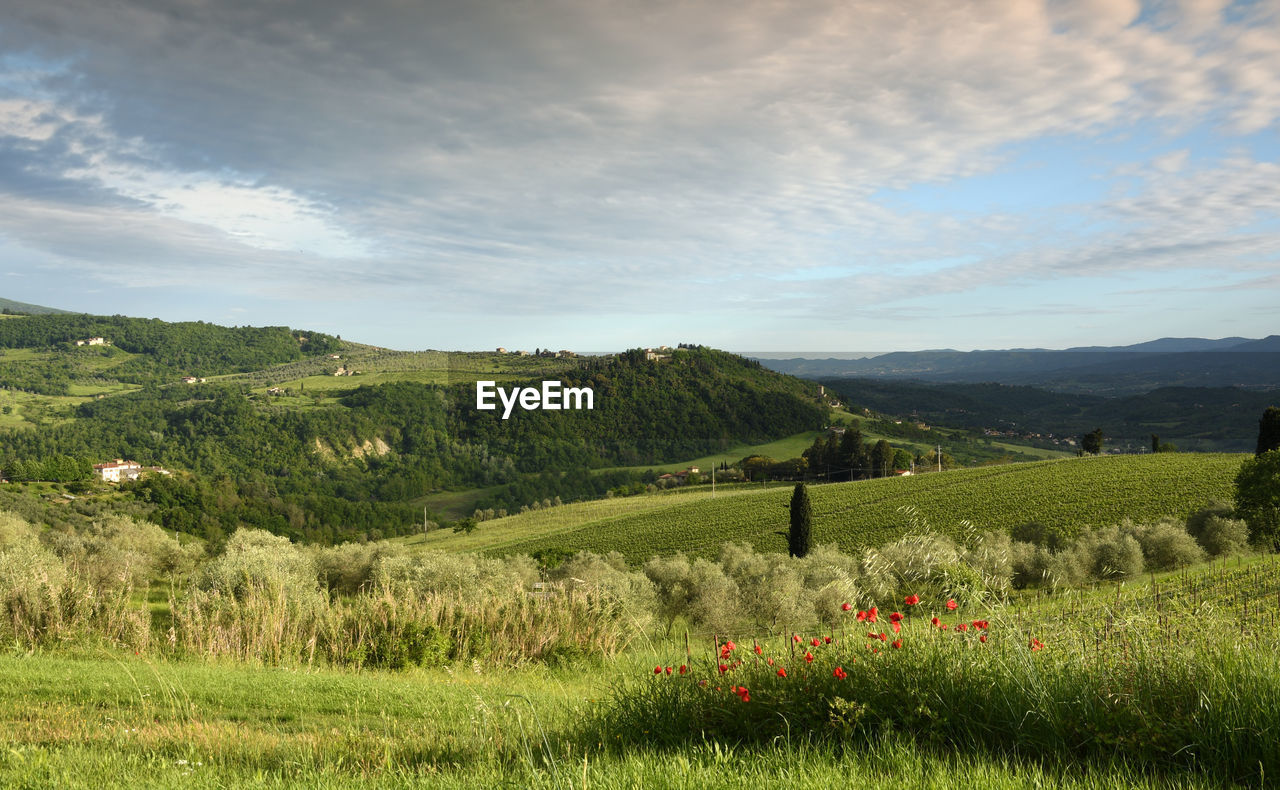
[1070, 493]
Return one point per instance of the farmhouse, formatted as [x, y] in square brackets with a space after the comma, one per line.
[93, 341]
[192, 380]
[117, 470]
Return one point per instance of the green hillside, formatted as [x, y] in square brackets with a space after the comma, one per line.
[1069, 493]
[11, 307]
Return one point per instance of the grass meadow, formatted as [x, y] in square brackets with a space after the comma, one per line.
[1168, 681]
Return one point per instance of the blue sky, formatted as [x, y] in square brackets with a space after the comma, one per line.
[804, 176]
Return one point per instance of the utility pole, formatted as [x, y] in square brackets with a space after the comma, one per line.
[939, 451]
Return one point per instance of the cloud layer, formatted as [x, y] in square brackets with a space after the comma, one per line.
[536, 158]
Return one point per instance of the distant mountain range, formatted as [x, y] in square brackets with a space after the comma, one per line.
[1101, 370]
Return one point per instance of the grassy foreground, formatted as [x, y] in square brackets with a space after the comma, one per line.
[106, 723]
[1172, 681]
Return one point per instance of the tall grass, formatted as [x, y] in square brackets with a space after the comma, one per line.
[1210, 704]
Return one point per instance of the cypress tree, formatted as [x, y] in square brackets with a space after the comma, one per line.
[801, 519]
[1269, 430]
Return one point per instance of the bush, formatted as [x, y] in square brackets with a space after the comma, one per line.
[1196, 521]
[1111, 554]
[1165, 545]
[1224, 536]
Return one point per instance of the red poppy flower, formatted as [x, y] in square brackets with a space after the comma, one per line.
[759, 649]
[814, 641]
[862, 616]
[724, 668]
[669, 670]
[808, 657]
[770, 662]
[883, 638]
[897, 644]
[896, 626]
[896, 617]
[911, 600]
[729, 646]
[657, 670]
[951, 604]
[871, 615]
[839, 673]
[962, 627]
[936, 622]
[795, 638]
[983, 638]
[1035, 644]
[683, 669]
[782, 672]
[826, 639]
[846, 606]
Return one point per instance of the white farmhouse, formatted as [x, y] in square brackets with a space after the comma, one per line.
[118, 470]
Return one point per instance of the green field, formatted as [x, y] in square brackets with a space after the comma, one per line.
[1171, 682]
[1069, 493]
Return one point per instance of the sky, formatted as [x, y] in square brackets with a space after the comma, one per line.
[604, 174]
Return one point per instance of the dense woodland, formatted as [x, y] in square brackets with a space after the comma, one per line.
[352, 469]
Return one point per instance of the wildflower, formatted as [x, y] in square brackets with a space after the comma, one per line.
[770, 662]
[814, 641]
[795, 638]
[657, 670]
[839, 673]
[896, 626]
[808, 657]
[883, 638]
[724, 668]
[871, 615]
[846, 606]
[936, 622]
[826, 639]
[668, 670]
[730, 646]
[897, 644]
[759, 649]
[911, 600]
[951, 604]
[1035, 644]
[896, 617]
[683, 669]
[962, 627]
[983, 639]
[782, 672]
[862, 616]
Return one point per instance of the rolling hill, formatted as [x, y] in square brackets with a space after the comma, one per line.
[1068, 493]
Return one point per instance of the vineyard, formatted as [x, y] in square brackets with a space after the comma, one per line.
[1072, 494]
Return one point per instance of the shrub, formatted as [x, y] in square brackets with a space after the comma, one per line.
[1031, 565]
[1221, 536]
[1166, 545]
[1110, 554]
[1196, 521]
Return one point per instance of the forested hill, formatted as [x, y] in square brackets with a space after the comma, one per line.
[351, 467]
[141, 351]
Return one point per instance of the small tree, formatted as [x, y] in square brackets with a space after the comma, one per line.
[1258, 499]
[1091, 442]
[1269, 431]
[801, 520]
